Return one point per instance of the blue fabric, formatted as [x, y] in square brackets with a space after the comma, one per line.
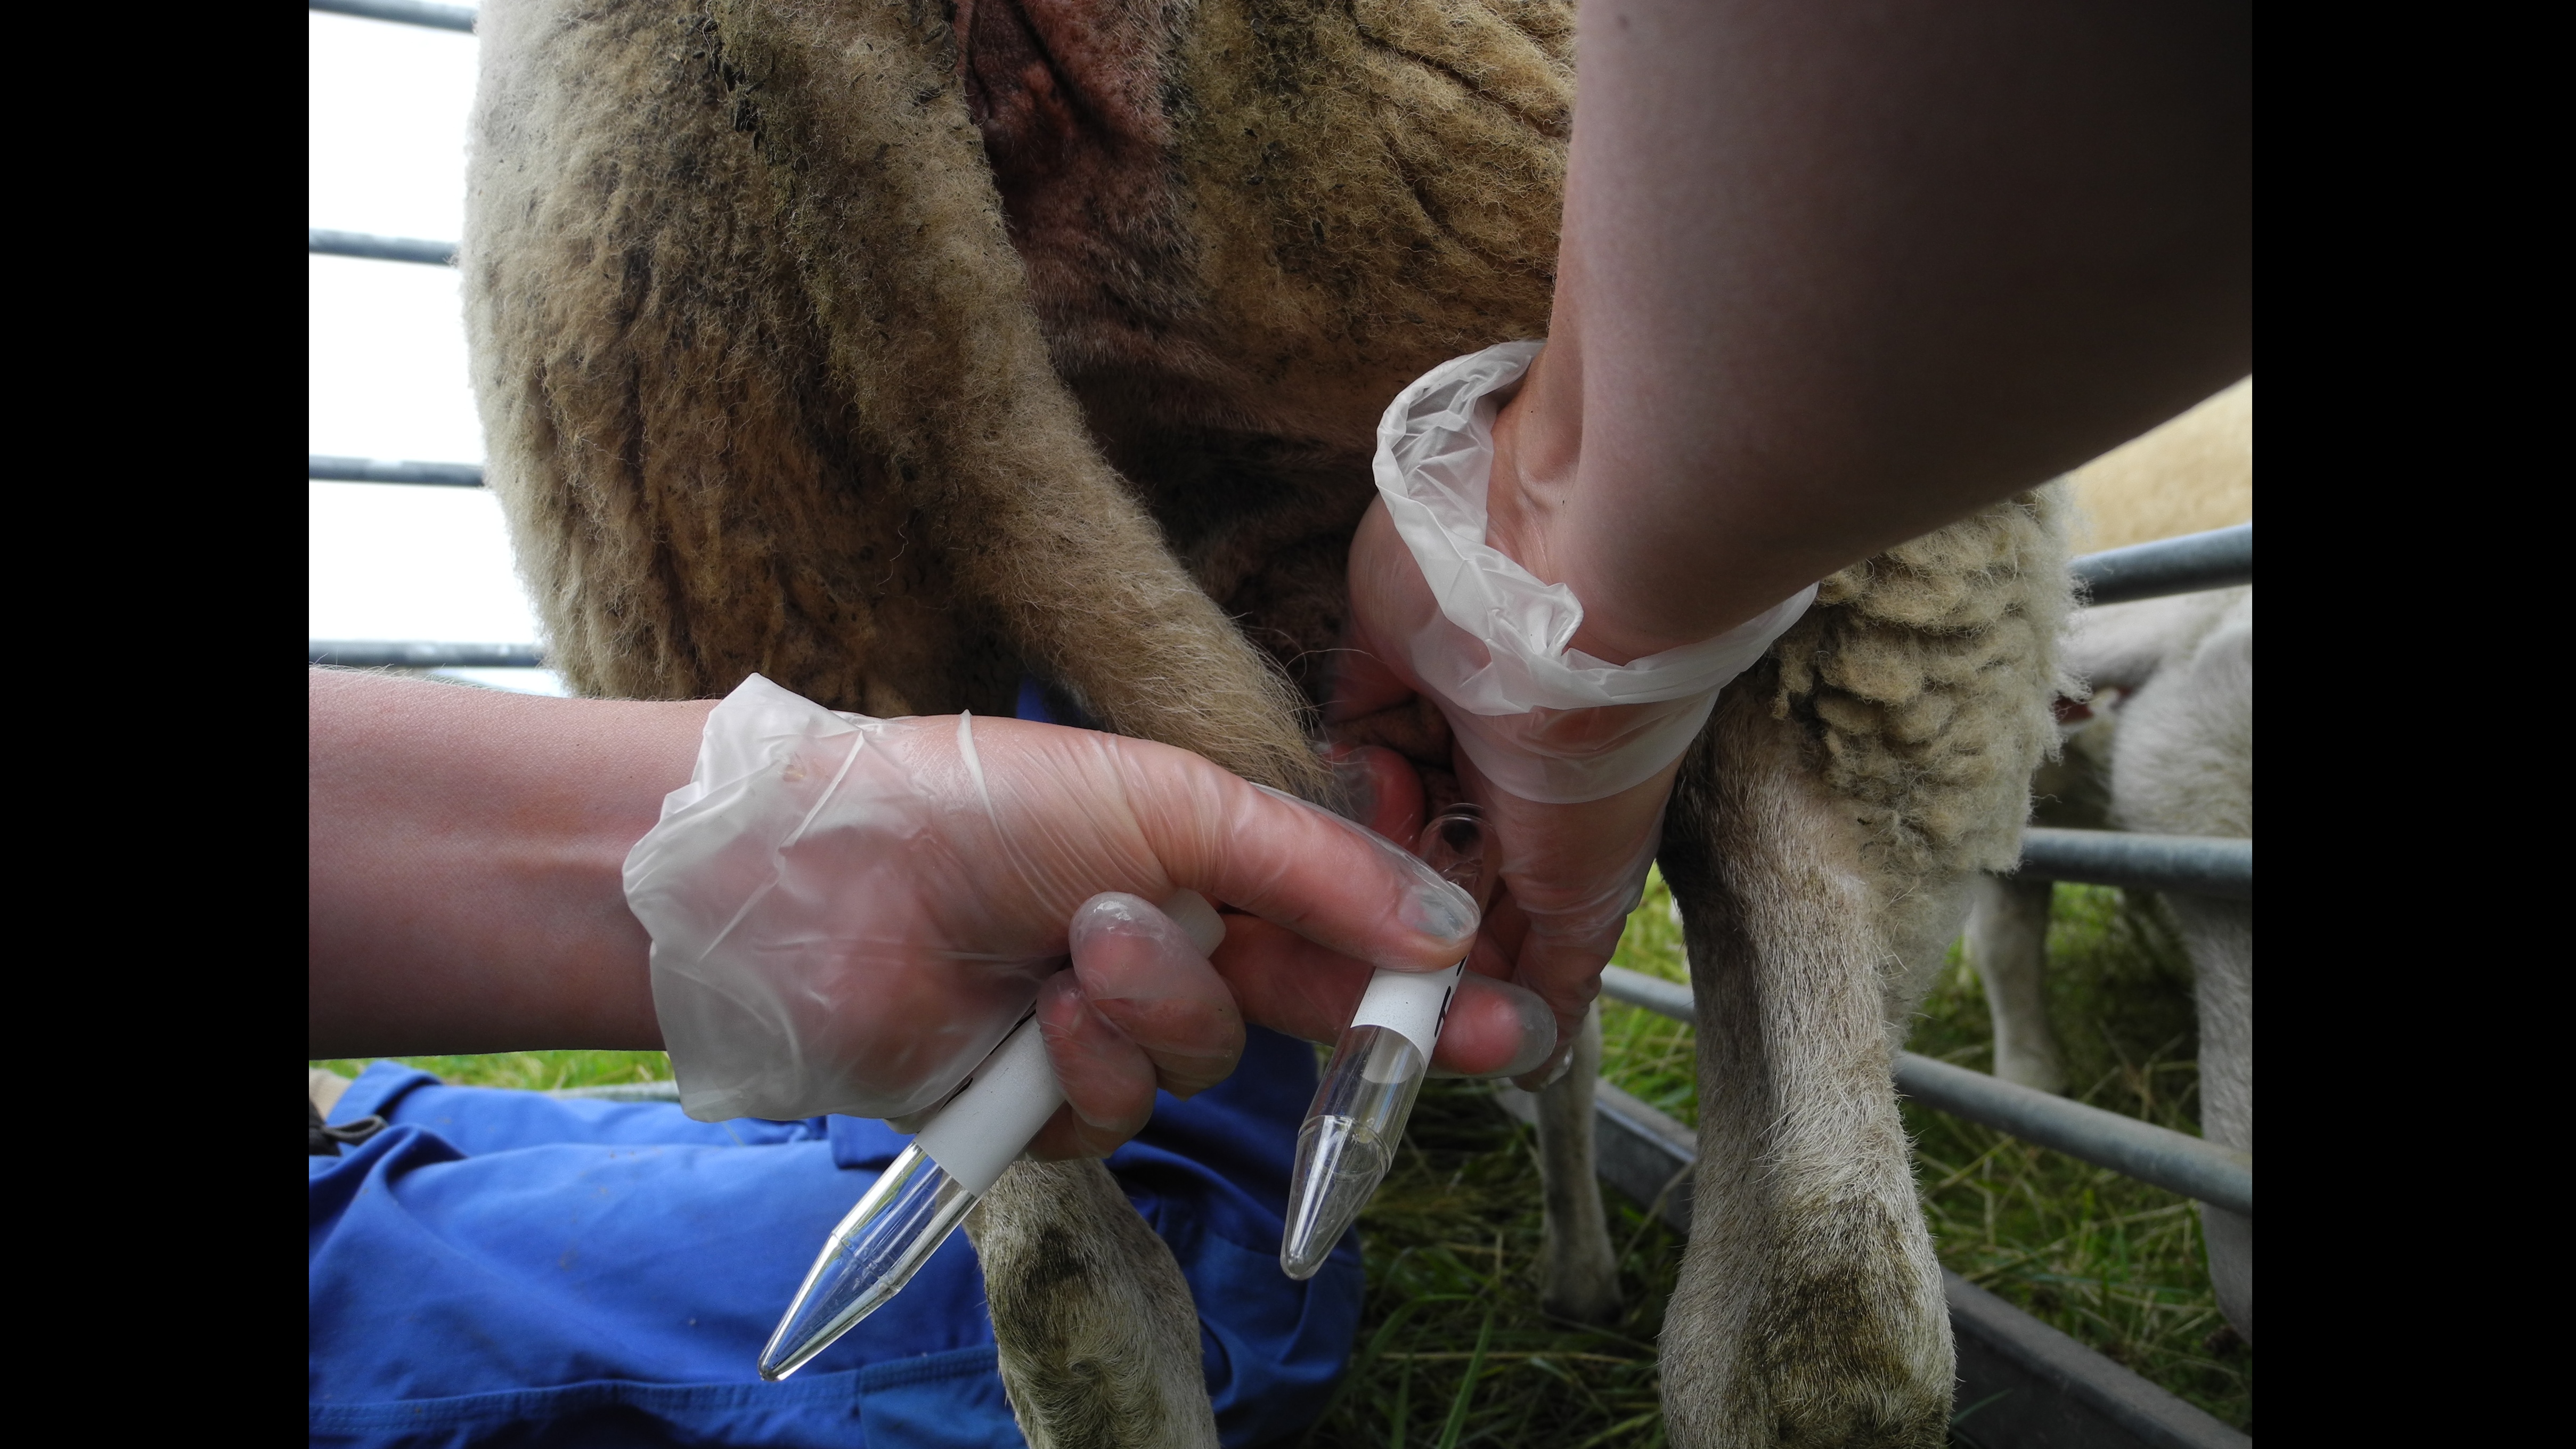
[509, 1268]
[1031, 703]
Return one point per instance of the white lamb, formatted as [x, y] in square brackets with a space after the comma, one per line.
[2169, 750]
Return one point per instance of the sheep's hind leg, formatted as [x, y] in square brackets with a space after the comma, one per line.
[1809, 1309]
[1578, 1276]
[2008, 942]
[1095, 1326]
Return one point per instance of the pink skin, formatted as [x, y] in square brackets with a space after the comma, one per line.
[465, 854]
[1108, 1073]
[1140, 1009]
[1567, 870]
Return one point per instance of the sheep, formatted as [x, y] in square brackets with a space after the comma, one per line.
[834, 341]
[2166, 747]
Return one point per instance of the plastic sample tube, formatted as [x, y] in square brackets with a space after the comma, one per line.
[1360, 1107]
[925, 1193]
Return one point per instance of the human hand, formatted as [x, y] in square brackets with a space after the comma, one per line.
[847, 914]
[1571, 754]
[1570, 873]
[1143, 1008]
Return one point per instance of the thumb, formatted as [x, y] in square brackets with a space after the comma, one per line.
[1302, 867]
[1560, 962]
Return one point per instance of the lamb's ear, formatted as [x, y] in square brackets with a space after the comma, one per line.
[901, 236]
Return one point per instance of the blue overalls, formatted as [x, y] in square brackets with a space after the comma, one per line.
[503, 1267]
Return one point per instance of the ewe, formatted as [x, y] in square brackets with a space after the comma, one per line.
[893, 357]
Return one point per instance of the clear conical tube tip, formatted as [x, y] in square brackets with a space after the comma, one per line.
[1357, 1117]
[903, 1219]
[1339, 1165]
[1348, 1141]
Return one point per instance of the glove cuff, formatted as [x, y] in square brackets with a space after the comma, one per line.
[780, 904]
[1498, 648]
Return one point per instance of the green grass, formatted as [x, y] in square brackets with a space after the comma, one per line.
[1454, 1349]
[2115, 1263]
[532, 1071]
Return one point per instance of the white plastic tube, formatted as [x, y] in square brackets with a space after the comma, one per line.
[928, 1189]
[1348, 1139]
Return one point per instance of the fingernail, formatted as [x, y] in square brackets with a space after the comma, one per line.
[1538, 1035]
[1438, 909]
[1556, 1069]
[1434, 906]
[1551, 1074]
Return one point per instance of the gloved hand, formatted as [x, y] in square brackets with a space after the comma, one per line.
[1572, 757]
[1142, 1008]
[847, 914]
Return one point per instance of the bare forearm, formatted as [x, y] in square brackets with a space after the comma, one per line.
[1834, 274]
[465, 858]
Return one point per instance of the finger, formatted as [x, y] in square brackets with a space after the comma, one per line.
[1076, 812]
[1143, 976]
[1286, 861]
[1559, 966]
[1572, 874]
[1383, 580]
[1499, 947]
[1499, 938]
[1384, 788]
[1108, 1082]
[1289, 984]
[1363, 684]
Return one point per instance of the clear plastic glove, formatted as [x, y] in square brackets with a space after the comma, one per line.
[1571, 756]
[847, 914]
[1142, 1008]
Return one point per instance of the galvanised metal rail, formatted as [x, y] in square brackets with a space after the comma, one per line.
[420, 654]
[403, 12]
[323, 243]
[2178, 1163]
[322, 468]
[2192, 865]
[2218, 559]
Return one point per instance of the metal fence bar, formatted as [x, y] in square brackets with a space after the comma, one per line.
[421, 654]
[2022, 1384]
[2171, 1160]
[323, 469]
[1663, 998]
[2191, 1166]
[624, 1092]
[2218, 559]
[2193, 865]
[379, 248]
[403, 12]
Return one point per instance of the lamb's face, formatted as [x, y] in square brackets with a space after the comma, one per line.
[1272, 214]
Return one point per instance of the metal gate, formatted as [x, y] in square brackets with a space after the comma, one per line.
[2035, 1387]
